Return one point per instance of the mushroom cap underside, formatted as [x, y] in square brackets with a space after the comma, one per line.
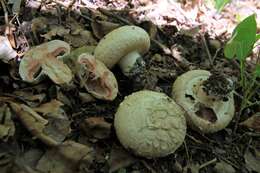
[206, 115]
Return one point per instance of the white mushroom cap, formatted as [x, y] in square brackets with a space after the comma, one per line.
[121, 42]
[204, 113]
[150, 124]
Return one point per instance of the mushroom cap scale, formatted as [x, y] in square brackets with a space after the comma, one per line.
[203, 113]
[150, 124]
[120, 42]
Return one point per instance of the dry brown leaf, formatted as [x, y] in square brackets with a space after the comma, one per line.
[33, 122]
[7, 128]
[96, 127]
[52, 108]
[84, 37]
[101, 28]
[55, 30]
[66, 158]
[119, 158]
[252, 122]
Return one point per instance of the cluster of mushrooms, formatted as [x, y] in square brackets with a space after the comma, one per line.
[150, 124]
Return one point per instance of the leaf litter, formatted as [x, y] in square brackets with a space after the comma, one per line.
[60, 128]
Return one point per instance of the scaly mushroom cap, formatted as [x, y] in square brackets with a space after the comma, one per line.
[97, 78]
[120, 42]
[43, 60]
[150, 124]
[204, 113]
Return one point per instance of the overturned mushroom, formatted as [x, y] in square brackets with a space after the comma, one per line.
[124, 45]
[43, 60]
[97, 78]
[150, 124]
[208, 102]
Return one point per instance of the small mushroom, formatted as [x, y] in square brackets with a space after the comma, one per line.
[206, 110]
[150, 124]
[43, 60]
[6, 51]
[97, 78]
[123, 45]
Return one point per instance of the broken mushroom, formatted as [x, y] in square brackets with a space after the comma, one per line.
[201, 96]
[7, 53]
[43, 60]
[124, 45]
[97, 78]
[150, 124]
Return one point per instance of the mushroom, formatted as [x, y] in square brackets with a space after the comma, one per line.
[44, 60]
[96, 77]
[7, 53]
[124, 45]
[150, 124]
[200, 96]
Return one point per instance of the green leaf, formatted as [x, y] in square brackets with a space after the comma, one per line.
[257, 37]
[257, 70]
[242, 40]
[220, 4]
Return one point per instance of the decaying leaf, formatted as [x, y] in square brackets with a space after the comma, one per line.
[119, 158]
[66, 158]
[7, 128]
[6, 51]
[96, 127]
[84, 37]
[252, 161]
[52, 109]
[222, 167]
[33, 122]
[253, 122]
[86, 97]
[38, 24]
[42, 60]
[101, 28]
[56, 30]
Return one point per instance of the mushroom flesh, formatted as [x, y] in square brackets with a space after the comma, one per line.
[206, 110]
[96, 77]
[44, 60]
[150, 124]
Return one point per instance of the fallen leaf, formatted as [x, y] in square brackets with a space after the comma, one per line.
[55, 30]
[7, 128]
[66, 158]
[119, 158]
[53, 108]
[252, 162]
[223, 167]
[252, 122]
[96, 127]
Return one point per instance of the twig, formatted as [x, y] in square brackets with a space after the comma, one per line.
[107, 13]
[148, 167]
[208, 163]
[5, 12]
[207, 50]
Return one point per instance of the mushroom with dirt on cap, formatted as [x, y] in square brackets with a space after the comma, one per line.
[150, 124]
[207, 99]
[124, 45]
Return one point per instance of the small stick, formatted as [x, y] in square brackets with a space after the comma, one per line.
[208, 163]
[5, 12]
[207, 50]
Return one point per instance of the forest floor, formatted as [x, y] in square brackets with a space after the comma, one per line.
[52, 128]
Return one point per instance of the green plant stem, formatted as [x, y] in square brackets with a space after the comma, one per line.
[242, 75]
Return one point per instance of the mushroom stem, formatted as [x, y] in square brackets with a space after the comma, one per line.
[128, 62]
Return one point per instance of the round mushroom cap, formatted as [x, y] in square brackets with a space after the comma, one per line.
[203, 113]
[120, 42]
[150, 124]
